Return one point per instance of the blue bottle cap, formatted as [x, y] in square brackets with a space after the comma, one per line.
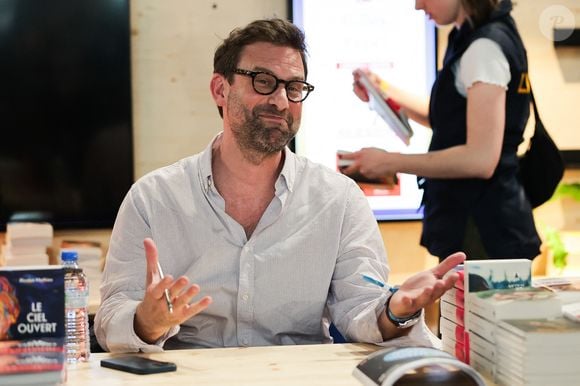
[69, 256]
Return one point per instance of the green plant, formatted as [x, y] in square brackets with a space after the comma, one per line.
[553, 239]
[557, 247]
[571, 190]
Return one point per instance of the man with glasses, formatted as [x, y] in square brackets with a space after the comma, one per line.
[276, 244]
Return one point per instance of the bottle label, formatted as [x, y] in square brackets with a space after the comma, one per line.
[79, 300]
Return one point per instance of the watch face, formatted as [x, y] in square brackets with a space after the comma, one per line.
[409, 322]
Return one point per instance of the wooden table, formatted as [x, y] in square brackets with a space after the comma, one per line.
[323, 364]
[309, 365]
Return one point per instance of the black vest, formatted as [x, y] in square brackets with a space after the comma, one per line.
[498, 206]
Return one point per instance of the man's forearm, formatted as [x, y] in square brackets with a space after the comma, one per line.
[388, 329]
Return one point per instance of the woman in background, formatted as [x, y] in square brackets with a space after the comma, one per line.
[478, 109]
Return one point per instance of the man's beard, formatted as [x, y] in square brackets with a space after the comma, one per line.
[261, 138]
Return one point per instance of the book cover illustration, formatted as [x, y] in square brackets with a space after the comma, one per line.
[9, 307]
[31, 302]
[481, 275]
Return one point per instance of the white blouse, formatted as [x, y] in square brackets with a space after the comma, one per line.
[483, 61]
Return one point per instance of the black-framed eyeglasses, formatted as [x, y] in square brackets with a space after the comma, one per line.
[265, 84]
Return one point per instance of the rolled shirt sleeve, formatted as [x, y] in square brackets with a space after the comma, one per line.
[124, 283]
[354, 304]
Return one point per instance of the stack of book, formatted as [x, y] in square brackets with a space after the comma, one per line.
[35, 361]
[568, 290]
[32, 325]
[488, 309]
[482, 275]
[26, 243]
[475, 276]
[452, 321]
[538, 352]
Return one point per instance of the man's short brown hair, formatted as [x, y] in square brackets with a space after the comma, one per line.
[279, 32]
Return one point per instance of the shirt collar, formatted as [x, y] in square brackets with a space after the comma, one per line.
[288, 173]
[205, 172]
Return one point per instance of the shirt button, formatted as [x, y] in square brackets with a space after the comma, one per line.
[245, 297]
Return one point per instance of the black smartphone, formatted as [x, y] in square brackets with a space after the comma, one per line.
[138, 365]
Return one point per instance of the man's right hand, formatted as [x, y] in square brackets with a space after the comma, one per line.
[153, 319]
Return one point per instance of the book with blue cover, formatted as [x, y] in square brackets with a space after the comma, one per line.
[32, 325]
[481, 275]
[31, 302]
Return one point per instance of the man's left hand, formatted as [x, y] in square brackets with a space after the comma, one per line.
[425, 287]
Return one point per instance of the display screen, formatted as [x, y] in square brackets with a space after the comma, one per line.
[66, 154]
[393, 40]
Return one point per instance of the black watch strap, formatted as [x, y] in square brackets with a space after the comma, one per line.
[405, 322]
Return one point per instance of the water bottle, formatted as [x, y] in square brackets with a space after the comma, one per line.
[76, 318]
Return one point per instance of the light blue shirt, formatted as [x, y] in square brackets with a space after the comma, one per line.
[300, 269]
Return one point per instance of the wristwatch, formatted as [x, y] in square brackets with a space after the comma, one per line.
[405, 322]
